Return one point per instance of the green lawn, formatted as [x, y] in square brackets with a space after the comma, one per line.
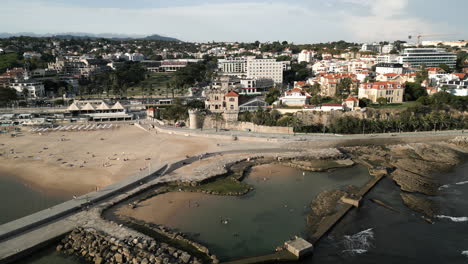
[221, 186]
[156, 81]
[395, 106]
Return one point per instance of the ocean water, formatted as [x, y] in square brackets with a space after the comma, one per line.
[373, 234]
[370, 234]
[20, 199]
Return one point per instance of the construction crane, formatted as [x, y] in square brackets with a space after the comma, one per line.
[420, 36]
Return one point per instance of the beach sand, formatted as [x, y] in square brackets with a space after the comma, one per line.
[76, 163]
[163, 209]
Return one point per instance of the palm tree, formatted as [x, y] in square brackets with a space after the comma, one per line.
[217, 117]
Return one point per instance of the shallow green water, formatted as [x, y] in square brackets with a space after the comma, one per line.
[265, 218]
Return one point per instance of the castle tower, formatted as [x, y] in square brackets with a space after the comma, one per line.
[193, 118]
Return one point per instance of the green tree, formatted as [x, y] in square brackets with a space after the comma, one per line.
[272, 95]
[445, 67]
[7, 96]
[381, 100]
[413, 91]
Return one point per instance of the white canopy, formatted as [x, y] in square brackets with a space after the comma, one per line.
[73, 107]
[87, 107]
[117, 106]
[103, 106]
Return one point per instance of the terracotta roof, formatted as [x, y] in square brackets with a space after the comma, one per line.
[351, 99]
[232, 94]
[460, 75]
[390, 74]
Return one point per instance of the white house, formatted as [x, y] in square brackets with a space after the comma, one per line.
[458, 88]
[35, 89]
[295, 97]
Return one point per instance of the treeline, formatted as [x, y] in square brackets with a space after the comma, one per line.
[411, 120]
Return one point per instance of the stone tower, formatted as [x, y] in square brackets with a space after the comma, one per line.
[193, 118]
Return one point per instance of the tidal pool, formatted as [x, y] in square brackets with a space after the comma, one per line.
[253, 224]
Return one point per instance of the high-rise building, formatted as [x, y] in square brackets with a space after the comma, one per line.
[265, 69]
[430, 57]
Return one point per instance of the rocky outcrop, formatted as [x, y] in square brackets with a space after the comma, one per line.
[412, 182]
[325, 204]
[97, 248]
[419, 204]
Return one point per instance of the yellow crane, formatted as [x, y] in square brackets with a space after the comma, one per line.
[421, 36]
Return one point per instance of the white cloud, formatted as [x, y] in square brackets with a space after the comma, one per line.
[223, 21]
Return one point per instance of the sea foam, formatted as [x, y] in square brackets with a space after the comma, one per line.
[453, 218]
[358, 243]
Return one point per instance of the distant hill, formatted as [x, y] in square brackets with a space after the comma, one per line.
[159, 37]
[80, 35]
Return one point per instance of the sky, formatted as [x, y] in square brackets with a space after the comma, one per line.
[298, 21]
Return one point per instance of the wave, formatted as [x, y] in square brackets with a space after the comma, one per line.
[449, 185]
[355, 251]
[465, 253]
[358, 243]
[453, 218]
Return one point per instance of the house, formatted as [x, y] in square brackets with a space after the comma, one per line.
[350, 103]
[435, 70]
[295, 97]
[392, 91]
[393, 77]
[329, 83]
[457, 88]
[383, 68]
[34, 88]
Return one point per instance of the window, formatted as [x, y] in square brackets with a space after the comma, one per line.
[232, 100]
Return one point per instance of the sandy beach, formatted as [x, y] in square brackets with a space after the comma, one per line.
[79, 162]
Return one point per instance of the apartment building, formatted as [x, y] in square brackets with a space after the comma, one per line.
[306, 56]
[392, 91]
[429, 57]
[237, 66]
[265, 69]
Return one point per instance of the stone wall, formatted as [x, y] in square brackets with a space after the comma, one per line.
[243, 126]
[98, 248]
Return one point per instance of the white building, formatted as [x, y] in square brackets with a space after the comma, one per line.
[389, 58]
[237, 66]
[387, 48]
[430, 57]
[31, 54]
[135, 56]
[307, 56]
[374, 47]
[384, 68]
[255, 87]
[295, 97]
[458, 88]
[35, 89]
[265, 69]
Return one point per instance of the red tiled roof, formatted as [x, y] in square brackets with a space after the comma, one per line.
[351, 99]
[460, 75]
[390, 74]
[232, 94]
